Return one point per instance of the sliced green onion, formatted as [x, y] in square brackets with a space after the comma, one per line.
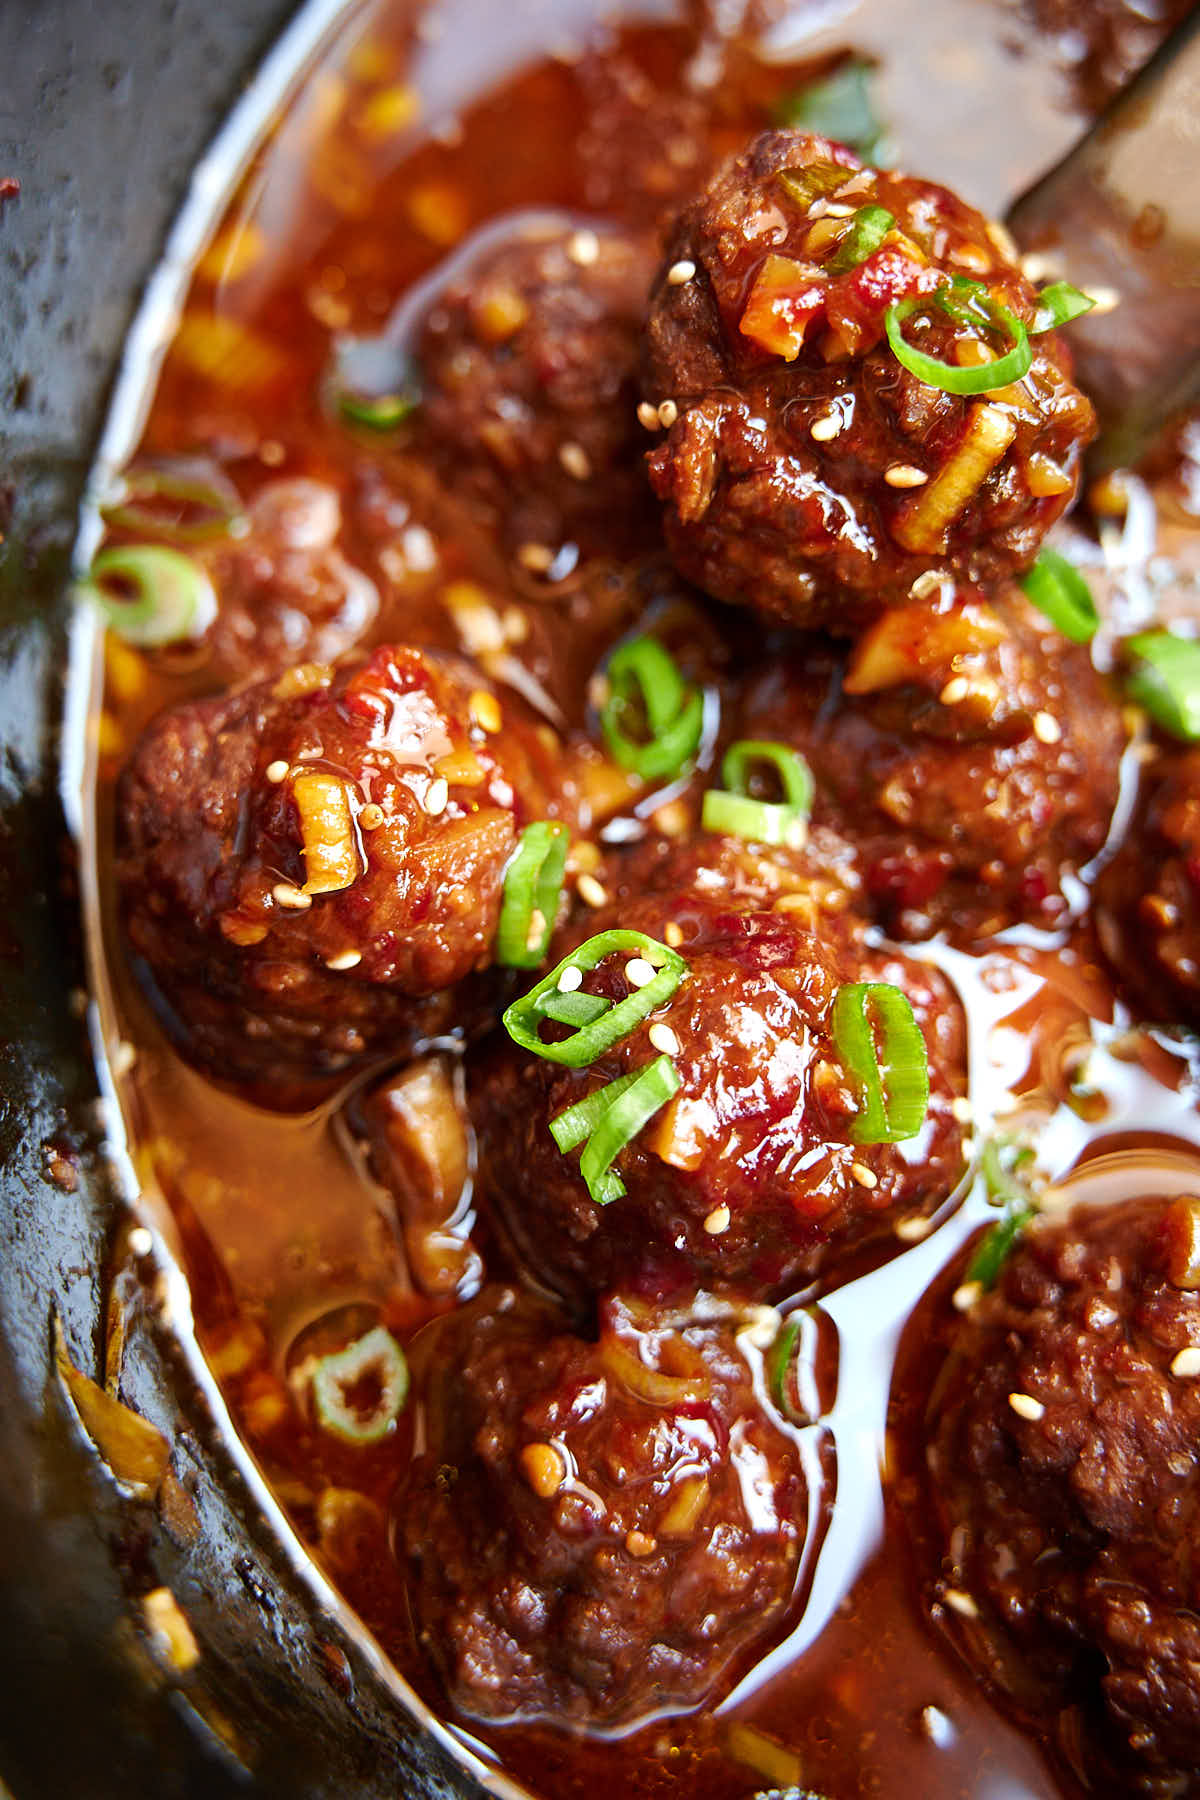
[573, 1009]
[781, 1372]
[1000, 1163]
[532, 891]
[996, 1248]
[150, 594]
[868, 228]
[1057, 589]
[673, 710]
[733, 811]
[610, 1119]
[981, 379]
[812, 181]
[374, 383]
[375, 1361]
[1058, 304]
[379, 412]
[524, 1017]
[185, 508]
[893, 1076]
[1165, 679]
[839, 107]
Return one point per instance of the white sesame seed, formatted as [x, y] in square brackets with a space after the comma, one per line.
[668, 412]
[905, 475]
[648, 416]
[913, 1229]
[1046, 728]
[570, 980]
[664, 1039]
[717, 1221]
[1187, 1362]
[835, 210]
[937, 1727]
[826, 427]
[960, 1603]
[345, 959]
[681, 272]
[437, 796]
[926, 584]
[277, 770]
[672, 934]
[591, 891]
[574, 459]
[638, 972]
[535, 557]
[140, 1241]
[1026, 1407]
[418, 549]
[865, 1177]
[285, 893]
[966, 1295]
[961, 1108]
[955, 690]
[583, 247]
[1104, 300]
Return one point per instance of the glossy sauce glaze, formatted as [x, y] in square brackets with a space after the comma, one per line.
[286, 1219]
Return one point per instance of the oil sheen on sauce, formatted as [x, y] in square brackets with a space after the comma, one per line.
[400, 141]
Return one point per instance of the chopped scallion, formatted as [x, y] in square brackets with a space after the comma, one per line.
[643, 676]
[150, 594]
[532, 890]
[868, 228]
[374, 383]
[883, 1051]
[734, 811]
[593, 1036]
[1057, 589]
[610, 1119]
[973, 378]
[1058, 304]
[182, 506]
[997, 1246]
[781, 1372]
[839, 107]
[1165, 679]
[375, 1363]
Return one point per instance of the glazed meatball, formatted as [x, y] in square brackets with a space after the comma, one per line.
[599, 1532]
[1062, 1467]
[528, 361]
[970, 755]
[808, 472]
[1147, 901]
[308, 867]
[751, 1173]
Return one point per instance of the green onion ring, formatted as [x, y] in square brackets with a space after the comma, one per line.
[779, 1363]
[610, 1119]
[674, 710]
[893, 1080]
[216, 500]
[173, 597]
[734, 812]
[1002, 1157]
[1058, 304]
[1058, 590]
[532, 889]
[376, 1354]
[981, 379]
[1165, 679]
[524, 1017]
[838, 107]
[381, 412]
[868, 228]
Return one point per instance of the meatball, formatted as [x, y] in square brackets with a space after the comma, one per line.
[528, 361]
[308, 867]
[751, 1173]
[1147, 901]
[1062, 1484]
[808, 472]
[970, 755]
[599, 1532]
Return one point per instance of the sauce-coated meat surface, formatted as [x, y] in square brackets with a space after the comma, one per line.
[1148, 898]
[808, 473]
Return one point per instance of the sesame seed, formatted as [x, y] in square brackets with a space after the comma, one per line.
[437, 796]
[905, 475]
[681, 272]
[345, 959]
[926, 584]
[591, 891]
[1046, 728]
[370, 816]
[672, 934]
[835, 210]
[865, 1177]
[583, 247]
[664, 1039]
[485, 710]
[913, 1229]
[277, 771]
[515, 624]
[966, 1295]
[668, 412]
[826, 427]
[1187, 1362]
[937, 1727]
[286, 894]
[418, 549]
[140, 1241]
[535, 557]
[574, 459]
[638, 972]
[544, 1469]
[570, 980]
[955, 690]
[1103, 299]
[640, 1543]
[717, 1221]
[961, 1108]
[960, 1603]
[123, 1057]
[1026, 1407]
[648, 416]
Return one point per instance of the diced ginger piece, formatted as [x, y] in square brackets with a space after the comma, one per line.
[923, 523]
[326, 832]
[1182, 1235]
[786, 297]
[910, 643]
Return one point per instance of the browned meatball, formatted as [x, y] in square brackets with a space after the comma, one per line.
[1147, 901]
[1060, 1485]
[970, 755]
[583, 1543]
[751, 1173]
[528, 370]
[808, 472]
[303, 860]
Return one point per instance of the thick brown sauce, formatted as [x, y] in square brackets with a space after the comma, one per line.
[275, 1221]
